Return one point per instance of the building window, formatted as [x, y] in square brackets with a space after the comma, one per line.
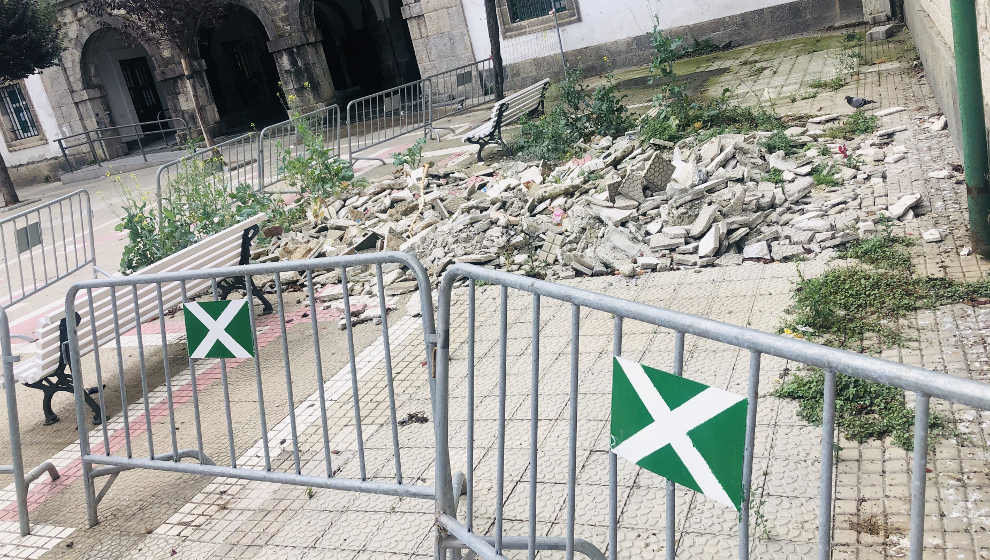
[522, 17]
[18, 113]
[522, 10]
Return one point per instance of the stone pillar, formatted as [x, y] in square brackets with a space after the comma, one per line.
[439, 34]
[303, 71]
[176, 97]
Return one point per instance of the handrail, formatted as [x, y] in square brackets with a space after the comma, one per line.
[131, 133]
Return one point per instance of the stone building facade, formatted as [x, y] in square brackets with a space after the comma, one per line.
[263, 55]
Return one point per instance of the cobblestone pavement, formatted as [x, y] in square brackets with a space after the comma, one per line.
[150, 515]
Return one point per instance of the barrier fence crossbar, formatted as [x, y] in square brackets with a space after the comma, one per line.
[281, 140]
[136, 132]
[16, 467]
[46, 244]
[137, 299]
[377, 118]
[461, 89]
[229, 164]
[456, 534]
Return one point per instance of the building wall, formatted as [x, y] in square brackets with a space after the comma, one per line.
[931, 25]
[38, 162]
[606, 37]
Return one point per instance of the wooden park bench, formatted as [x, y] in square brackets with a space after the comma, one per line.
[524, 102]
[46, 371]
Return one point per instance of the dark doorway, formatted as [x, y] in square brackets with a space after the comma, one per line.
[367, 45]
[144, 94]
[241, 72]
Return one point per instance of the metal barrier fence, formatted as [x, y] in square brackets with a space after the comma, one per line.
[383, 116]
[16, 466]
[151, 297]
[282, 140]
[46, 244]
[229, 164]
[456, 534]
[460, 89]
[137, 132]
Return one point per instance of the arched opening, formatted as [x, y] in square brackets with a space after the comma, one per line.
[367, 45]
[241, 71]
[119, 66]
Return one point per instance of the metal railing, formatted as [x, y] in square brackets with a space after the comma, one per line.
[457, 534]
[45, 244]
[383, 116]
[122, 133]
[228, 164]
[460, 89]
[102, 327]
[16, 467]
[282, 140]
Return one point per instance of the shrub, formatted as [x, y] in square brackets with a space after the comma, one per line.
[317, 172]
[551, 137]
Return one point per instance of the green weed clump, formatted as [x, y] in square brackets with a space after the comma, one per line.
[833, 84]
[582, 113]
[860, 307]
[679, 117]
[826, 175]
[856, 124]
[779, 141]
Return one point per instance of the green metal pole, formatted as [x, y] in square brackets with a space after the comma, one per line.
[971, 113]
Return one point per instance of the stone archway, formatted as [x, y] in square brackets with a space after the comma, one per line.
[241, 71]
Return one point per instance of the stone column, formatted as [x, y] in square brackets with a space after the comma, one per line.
[179, 103]
[439, 34]
[303, 71]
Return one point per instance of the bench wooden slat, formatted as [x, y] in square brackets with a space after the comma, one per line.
[219, 250]
[507, 111]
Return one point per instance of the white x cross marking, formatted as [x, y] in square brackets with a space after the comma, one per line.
[217, 329]
[672, 427]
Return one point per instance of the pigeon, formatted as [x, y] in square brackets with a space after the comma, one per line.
[858, 102]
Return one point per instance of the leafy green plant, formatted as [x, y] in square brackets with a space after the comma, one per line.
[581, 114]
[316, 171]
[779, 141]
[826, 175]
[667, 50]
[775, 176]
[856, 124]
[411, 156]
[863, 410]
[678, 118]
[199, 203]
[550, 137]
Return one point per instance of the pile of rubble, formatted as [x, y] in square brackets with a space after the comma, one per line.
[626, 207]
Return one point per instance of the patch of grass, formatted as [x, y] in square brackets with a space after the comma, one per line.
[680, 117]
[779, 141]
[775, 176]
[834, 84]
[826, 175]
[883, 251]
[856, 124]
[859, 308]
[863, 410]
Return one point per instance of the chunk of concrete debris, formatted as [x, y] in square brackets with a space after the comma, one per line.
[710, 243]
[824, 118]
[799, 188]
[903, 204]
[784, 253]
[704, 221]
[931, 236]
[889, 111]
[890, 131]
[757, 251]
[966, 251]
[940, 174]
[881, 32]
[938, 124]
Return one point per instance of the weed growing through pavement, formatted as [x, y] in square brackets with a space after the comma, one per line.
[859, 307]
[775, 176]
